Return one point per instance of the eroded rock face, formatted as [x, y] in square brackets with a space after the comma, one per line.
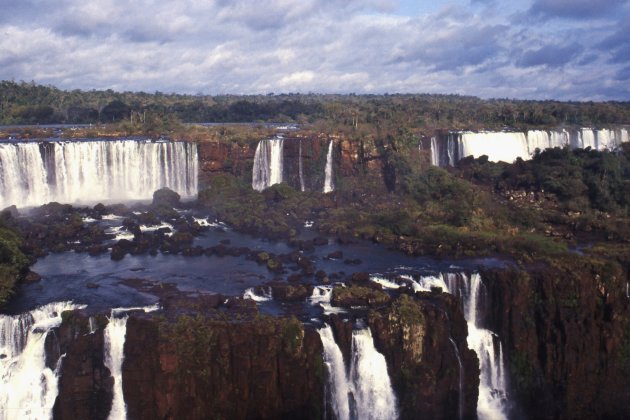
[414, 334]
[195, 360]
[566, 330]
[85, 384]
[194, 368]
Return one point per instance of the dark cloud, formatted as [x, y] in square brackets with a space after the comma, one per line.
[617, 45]
[623, 74]
[574, 9]
[550, 56]
[465, 45]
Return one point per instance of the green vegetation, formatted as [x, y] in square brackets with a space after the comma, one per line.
[30, 103]
[358, 296]
[194, 343]
[407, 310]
[13, 263]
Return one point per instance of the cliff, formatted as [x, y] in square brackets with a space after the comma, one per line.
[566, 329]
[414, 334]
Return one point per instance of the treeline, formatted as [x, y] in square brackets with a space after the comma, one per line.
[30, 103]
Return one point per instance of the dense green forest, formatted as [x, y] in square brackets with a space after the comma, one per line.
[30, 103]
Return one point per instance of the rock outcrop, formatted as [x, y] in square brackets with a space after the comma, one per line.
[566, 331]
[414, 334]
[196, 368]
[85, 384]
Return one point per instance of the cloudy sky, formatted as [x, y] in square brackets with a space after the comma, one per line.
[538, 49]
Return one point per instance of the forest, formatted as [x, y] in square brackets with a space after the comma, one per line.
[32, 103]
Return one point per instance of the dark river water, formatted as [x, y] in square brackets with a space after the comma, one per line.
[96, 281]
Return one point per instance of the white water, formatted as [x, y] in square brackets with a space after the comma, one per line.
[384, 283]
[504, 147]
[250, 293]
[91, 171]
[321, 297]
[114, 342]
[366, 393]
[268, 164]
[113, 349]
[328, 179]
[28, 388]
[435, 156]
[507, 146]
[338, 386]
[492, 402]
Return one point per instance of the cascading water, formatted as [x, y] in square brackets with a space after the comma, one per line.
[301, 168]
[435, 153]
[328, 179]
[507, 146]
[90, 171]
[114, 344]
[537, 139]
[492, 402]
[504, 147]
[366, 393]
[29, 387]
[268, 164]
[337, 386]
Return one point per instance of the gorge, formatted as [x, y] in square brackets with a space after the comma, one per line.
[256, 286]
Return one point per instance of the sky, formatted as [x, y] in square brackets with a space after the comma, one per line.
[524, 49]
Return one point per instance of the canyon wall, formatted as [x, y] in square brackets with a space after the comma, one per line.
[566, 330]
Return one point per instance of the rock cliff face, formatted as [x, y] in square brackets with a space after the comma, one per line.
[251, 366]
[85, 384]
[350, 159]
[566, 330]
[196, 369]
[414, 335]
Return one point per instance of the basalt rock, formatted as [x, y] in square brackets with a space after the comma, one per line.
[85, 384]
[566, 333]
[414, 335]
[196, 368]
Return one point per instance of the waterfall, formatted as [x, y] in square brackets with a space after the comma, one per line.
[504, 147]
[91, 171]
[559, 139]
[537, 139]
[435, 152]
[492, 402]
[301, 168]
[114, 342]
[366, 393]
[113, 350]
[29, 387]
[328, 180]
[337, 386]
[507, 146]
[268, 164]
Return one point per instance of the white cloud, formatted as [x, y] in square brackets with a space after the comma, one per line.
[257, 46]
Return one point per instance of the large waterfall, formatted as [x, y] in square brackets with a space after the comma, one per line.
[268, 164]
[507, 146]
[364, 393]
[328, 172]
[29, 387]
[492, 402]
[34, 173]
